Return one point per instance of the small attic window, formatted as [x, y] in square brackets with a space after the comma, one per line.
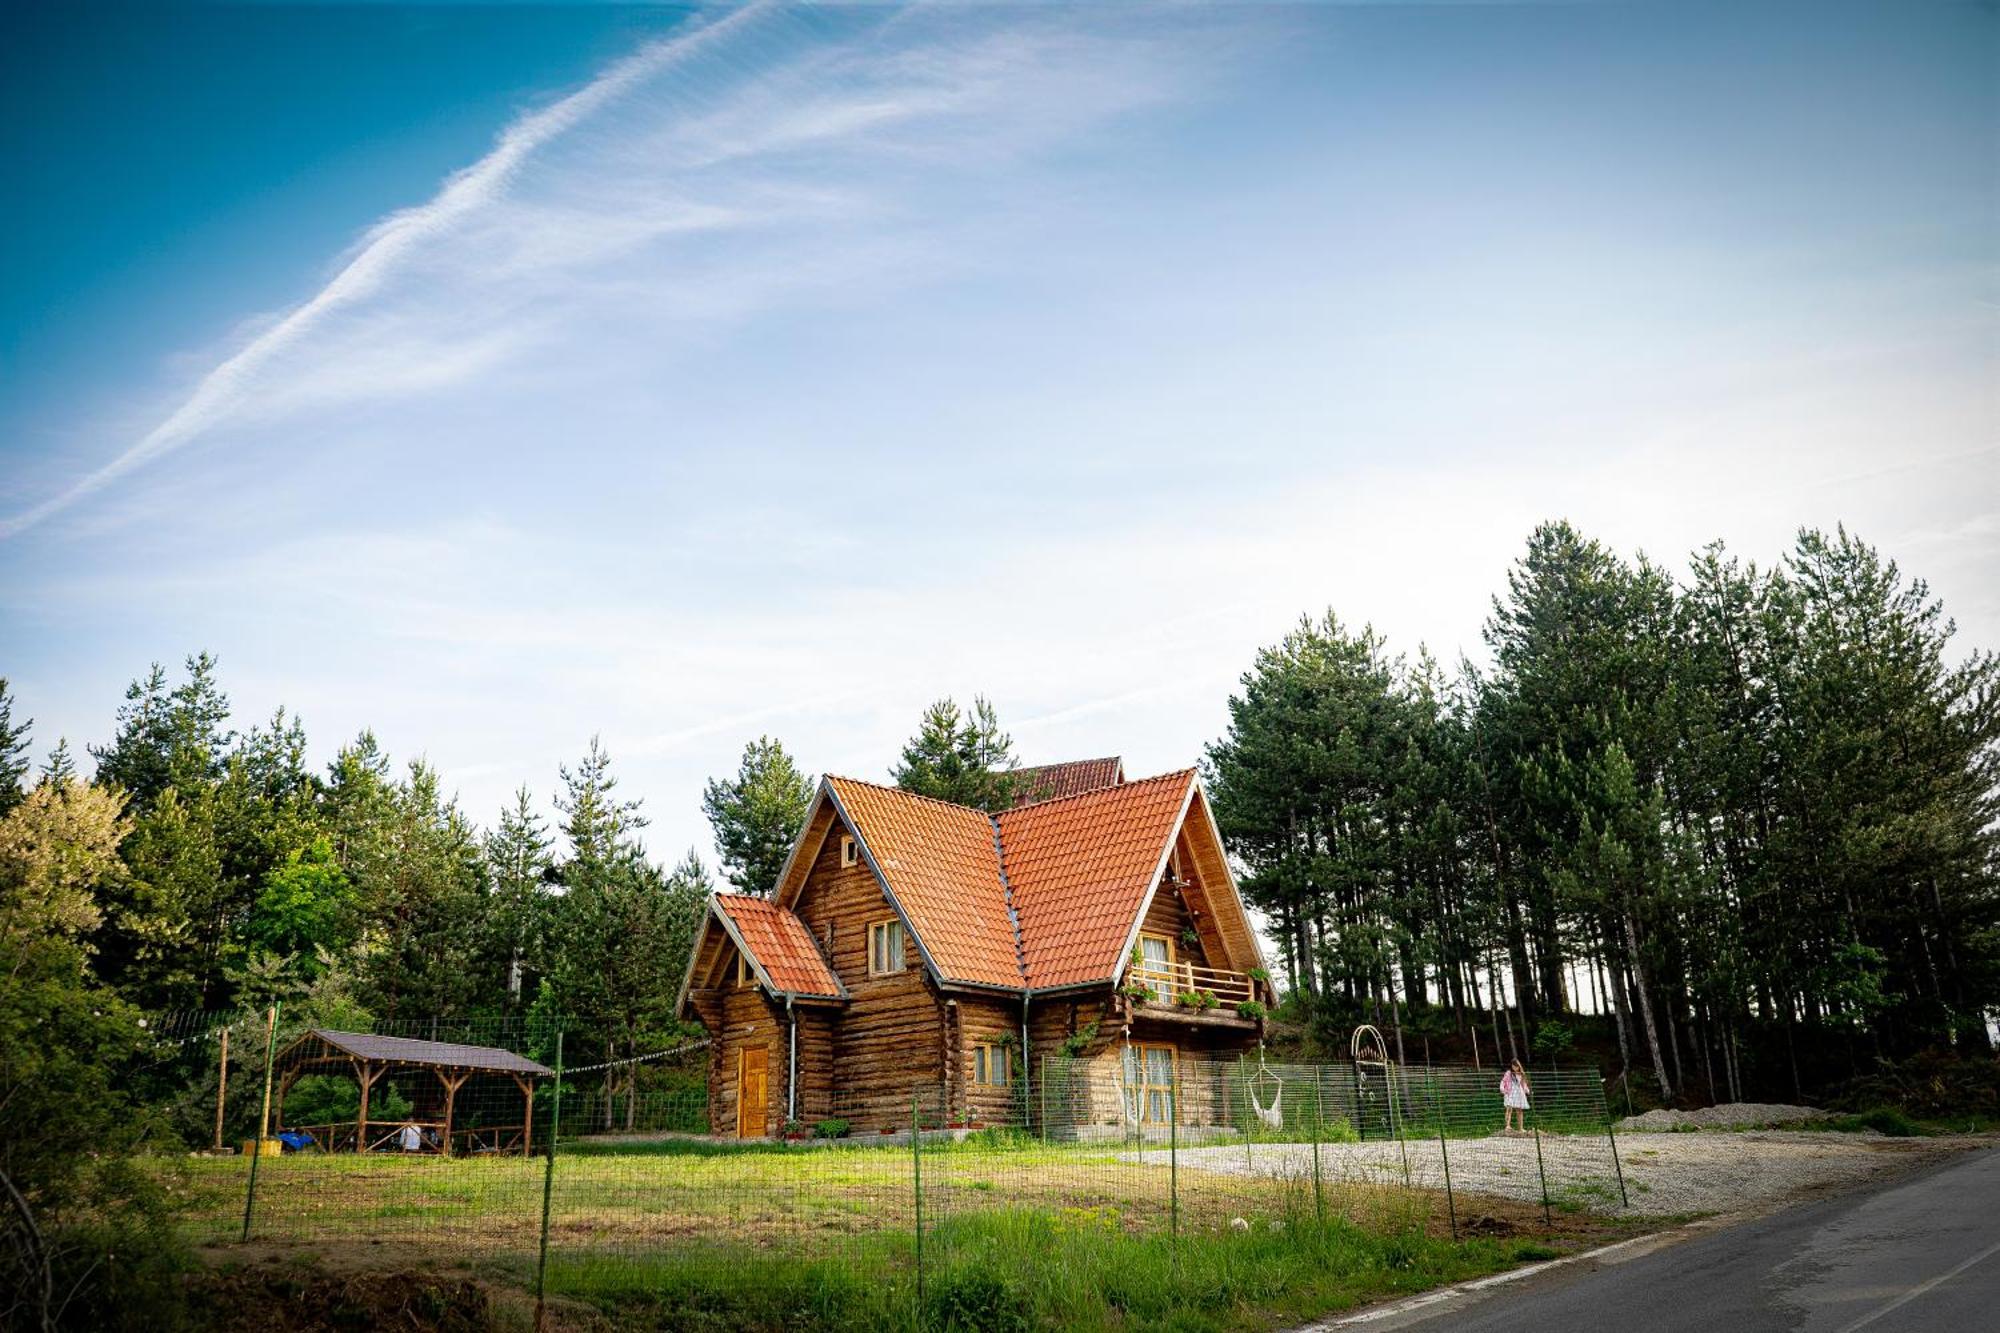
[850, 855]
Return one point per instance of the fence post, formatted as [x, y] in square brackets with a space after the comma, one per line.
[1616, 1165]
[221, 1086]
[1450, 1204]
[1543, 1172]
[1242, 1109]
[548, 1190]
[1174, 1168]
[1396, 1122]
[1319, 1128]
[917, 1184]
[263, 1124]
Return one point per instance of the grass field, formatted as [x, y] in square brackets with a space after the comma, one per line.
[1015, 1235]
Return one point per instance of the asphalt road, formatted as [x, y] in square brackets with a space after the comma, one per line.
[1920, 1253]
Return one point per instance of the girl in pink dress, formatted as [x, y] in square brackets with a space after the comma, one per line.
[1514, 1097]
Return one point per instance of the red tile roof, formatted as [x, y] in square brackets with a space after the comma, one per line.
[1076, 871]
[1052, 782]
[780, 944]
[942, 867]
[1079, 870]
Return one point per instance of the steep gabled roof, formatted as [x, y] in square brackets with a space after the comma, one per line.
[779, 946]
[1040, 897]
[941, 867]
[1052, 782]
[1080, 869]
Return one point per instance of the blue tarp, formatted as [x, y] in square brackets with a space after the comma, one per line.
[297, 1140]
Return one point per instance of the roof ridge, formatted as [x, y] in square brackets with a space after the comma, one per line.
[913, 795]
[1127, 785]
[1065, 763]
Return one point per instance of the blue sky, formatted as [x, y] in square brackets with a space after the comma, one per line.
[495, 377]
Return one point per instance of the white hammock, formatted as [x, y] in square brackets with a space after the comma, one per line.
[1272, 1116]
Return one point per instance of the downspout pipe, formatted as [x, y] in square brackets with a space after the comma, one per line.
[1027, 1088]
[792, 1064]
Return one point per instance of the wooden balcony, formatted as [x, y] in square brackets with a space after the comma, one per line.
[1187, 990]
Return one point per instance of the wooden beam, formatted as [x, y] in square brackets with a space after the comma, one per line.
[451, 1087]
[365, 1075]
[527, 1088]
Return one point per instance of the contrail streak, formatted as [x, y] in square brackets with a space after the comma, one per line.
[381, 249]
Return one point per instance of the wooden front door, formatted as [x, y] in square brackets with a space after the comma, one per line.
[753, 1092]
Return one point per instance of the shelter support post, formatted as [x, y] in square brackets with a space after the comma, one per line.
[527, 1088]
[452, 1081]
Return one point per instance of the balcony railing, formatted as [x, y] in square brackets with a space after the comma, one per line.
[1168, 982]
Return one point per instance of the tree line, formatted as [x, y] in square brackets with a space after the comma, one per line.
[1749, 814]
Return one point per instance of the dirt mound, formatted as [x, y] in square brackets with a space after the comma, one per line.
[293, 1301]
[1728, 1115]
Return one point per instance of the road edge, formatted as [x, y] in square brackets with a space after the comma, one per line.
[1417, 1308]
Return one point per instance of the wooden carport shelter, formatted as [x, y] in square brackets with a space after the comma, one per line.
[368, 1057]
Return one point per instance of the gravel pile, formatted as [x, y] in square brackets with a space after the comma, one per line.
[1665, 1175]
[1729, 1115]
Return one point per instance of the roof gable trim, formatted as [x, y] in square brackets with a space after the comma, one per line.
[1153, 886]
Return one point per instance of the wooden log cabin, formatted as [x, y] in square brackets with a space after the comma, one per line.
[919, 949]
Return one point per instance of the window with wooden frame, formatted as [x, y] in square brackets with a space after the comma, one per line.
[850, 853]
[992, 1064]
[1157, 963]
[746, 975]
[885, 948]
[1149, 1084]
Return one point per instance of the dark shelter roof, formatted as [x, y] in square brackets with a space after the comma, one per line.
[442, 1054]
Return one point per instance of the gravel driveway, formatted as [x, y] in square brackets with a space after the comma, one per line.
[1665, 1174]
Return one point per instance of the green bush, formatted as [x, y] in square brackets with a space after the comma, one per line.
[1886, 1120]
[1553, 1039]
[832, 1129]
[1250, 1009]
[1933, 1086]
[327, 1099]
[972, 1299]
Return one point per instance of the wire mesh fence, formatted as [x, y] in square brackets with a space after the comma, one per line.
[475, 1140]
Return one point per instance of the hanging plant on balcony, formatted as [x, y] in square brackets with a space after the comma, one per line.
[1189, 938]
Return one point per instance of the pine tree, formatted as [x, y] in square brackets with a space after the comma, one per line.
[596, 822]
[519, 870]
[60, 769]
[168, 737]
[959, 756]
[757, 815]
[13, 751]
[425, 901]
[137, 758]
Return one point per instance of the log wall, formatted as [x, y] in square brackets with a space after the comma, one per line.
[890, 1037]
